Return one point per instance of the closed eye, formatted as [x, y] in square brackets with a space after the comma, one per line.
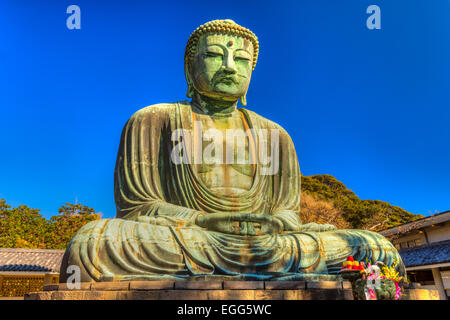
[213, 54]
[241, 59]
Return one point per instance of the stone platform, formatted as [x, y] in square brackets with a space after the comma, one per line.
[211, 290]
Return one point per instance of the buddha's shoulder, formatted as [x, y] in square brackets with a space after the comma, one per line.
[160, 110]
[264, 122]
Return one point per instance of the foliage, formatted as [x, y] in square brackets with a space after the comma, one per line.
[360, 214]
[70, 219]
[24, 227]
[321, 211]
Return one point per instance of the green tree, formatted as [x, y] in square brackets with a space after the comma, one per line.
[22, 227]
[66, 224]
[362, 214]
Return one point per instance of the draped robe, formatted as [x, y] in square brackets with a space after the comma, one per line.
[154, 235]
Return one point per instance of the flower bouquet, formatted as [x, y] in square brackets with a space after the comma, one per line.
[374, 282]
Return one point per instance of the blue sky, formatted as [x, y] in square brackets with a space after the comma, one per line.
[370, 107]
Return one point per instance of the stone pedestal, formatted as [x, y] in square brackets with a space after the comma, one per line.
[210, 290]
[198, 290]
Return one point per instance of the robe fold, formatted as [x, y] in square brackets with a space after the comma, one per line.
[154, 235]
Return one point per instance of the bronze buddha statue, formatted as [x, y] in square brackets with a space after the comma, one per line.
[191, 202]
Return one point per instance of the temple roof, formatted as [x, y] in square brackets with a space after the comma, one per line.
[434, 253]
[417, 224]
[30, 260]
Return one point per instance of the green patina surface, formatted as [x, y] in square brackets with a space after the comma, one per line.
[214, 219]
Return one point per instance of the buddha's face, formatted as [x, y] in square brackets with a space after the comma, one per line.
[222, 66]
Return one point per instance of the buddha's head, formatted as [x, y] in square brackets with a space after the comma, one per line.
[219, 59]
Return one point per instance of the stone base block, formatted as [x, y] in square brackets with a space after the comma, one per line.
[420, 294]
[312, 294]
[211, 290]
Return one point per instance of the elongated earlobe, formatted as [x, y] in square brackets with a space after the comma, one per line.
[190, 87]
[190, 91]
[244, 99]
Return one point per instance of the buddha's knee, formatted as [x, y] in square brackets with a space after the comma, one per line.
[72, 270]
[361, 238]
[93, 229]
[73, 265]
[360, 242]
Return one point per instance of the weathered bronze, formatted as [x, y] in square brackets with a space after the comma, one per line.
[192, 203]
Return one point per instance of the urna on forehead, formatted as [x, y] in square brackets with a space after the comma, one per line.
[227, 40]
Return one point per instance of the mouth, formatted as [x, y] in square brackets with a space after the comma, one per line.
[227, 80]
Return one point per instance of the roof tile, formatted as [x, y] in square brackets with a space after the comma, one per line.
[36, 260]
[434, 253]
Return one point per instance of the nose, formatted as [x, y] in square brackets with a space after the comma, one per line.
[228, 65]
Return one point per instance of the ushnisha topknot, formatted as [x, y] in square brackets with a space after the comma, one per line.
[224, 27]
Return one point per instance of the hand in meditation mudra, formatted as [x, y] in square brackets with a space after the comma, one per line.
[203, 188]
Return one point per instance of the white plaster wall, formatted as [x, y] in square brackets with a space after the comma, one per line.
[445, 275]
[411, 237]
[438, 233]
